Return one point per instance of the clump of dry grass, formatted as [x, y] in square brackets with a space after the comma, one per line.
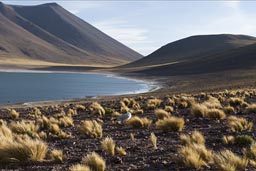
[108, 145]
[161, 114]
[153, 103]
[226, 160]
[170, 101]
[79, 167]
[66, 121]
[251, 152]
[120, 150]
[199, 110]
[194, 153]
[132, 136]
[57, 155]
[216, 114]
[236, 101]
[229, 109]
[212, 103]
[170, 124]
[146, 122]
[153, 140]
[196, 137]
[14, 114]
[54, 129]
[20, 149]
[237, 124]
[80, 107]
[96, 108]
[168, 109]
[91, 128]
[251, 108]
[138, 112]
[228, 139]
[70, 112]
[115, 115]
[94, 161]
[135, 122]
[24, 127]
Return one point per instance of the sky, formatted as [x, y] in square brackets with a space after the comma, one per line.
[145, 26]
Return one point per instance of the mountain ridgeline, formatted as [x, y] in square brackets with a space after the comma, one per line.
[198, 55]
[50, 33]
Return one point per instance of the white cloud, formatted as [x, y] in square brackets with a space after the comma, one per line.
[128, 34]
[232, 4]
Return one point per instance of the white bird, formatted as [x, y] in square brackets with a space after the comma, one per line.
[124, 117]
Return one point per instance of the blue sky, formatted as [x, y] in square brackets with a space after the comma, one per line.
[147, 25]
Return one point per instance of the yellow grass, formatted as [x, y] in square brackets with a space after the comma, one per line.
[79, 167]
[57, 155]
[170, 124]
[96, 108]
[237, 124]
[120, 150]
[153, 140]
[91, 128]
[161, 114]
[108, 145]
[94, 161]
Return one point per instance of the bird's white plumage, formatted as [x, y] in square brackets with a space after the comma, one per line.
[124, 117]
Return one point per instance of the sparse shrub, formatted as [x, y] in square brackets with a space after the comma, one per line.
[196, 137]
[170, 124]
[14, 114]
[135, 122]
[96, 108]
[94, 161]
[229, 109]
[146, 122]
[66, 121]
[199, 110]
[153, 103]
[228, 139]
[132, 136]
[168, 109]
[91, 128]
[194, 155]
[216, 114]
[239, 124]
[153, 140]
[108, 145]
[235, 101]
[121, 151]
[57, 155]
[226, 160]
[24, 127]
[251, 108]
[79, 167]
[161, 114]
[243, 140]
[250, 153]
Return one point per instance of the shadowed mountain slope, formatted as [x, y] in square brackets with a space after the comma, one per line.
[50, 33]
[193, 47]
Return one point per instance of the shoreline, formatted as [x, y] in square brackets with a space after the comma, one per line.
[151, 86]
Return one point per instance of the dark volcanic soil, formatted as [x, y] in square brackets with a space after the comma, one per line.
[140, 154]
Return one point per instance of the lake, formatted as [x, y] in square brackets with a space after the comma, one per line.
[19, 87]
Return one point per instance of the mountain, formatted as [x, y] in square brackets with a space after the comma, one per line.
[49, 33]
[236, 60]
[193, 47]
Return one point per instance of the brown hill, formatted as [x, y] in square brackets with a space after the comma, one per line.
[49, 33]
[193, 47]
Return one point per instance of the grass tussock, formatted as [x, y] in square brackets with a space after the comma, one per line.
[168, 109]
[228, 139]
[121, 151]
[108, 145]
[66, 121]
[153, 140]
[153, 103]
[161, 114]
[14, 114]
[237, 124]
[146, 122]
[226, 160]
[170, 124]
[193, 153]
[94, 161]
[251, 152]
[216, 114]
[202, 110]
[79, 167]
[251, 108]
[97, 109]
[135, 122]
[91, 128]
[236, 101]
[24, 127]
[195, 138]
[15, 148]
[229, 109]
[57, 155]
[244, 140]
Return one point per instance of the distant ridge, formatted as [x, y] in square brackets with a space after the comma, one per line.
[193, 47]
[50, 33]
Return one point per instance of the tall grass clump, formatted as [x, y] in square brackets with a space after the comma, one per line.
[91, 128]
[96, 108]
[161, 114]
[108, 145]
[170, 124]
[153, 103]
[94, 161]
[153, 140]
[237, 124]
